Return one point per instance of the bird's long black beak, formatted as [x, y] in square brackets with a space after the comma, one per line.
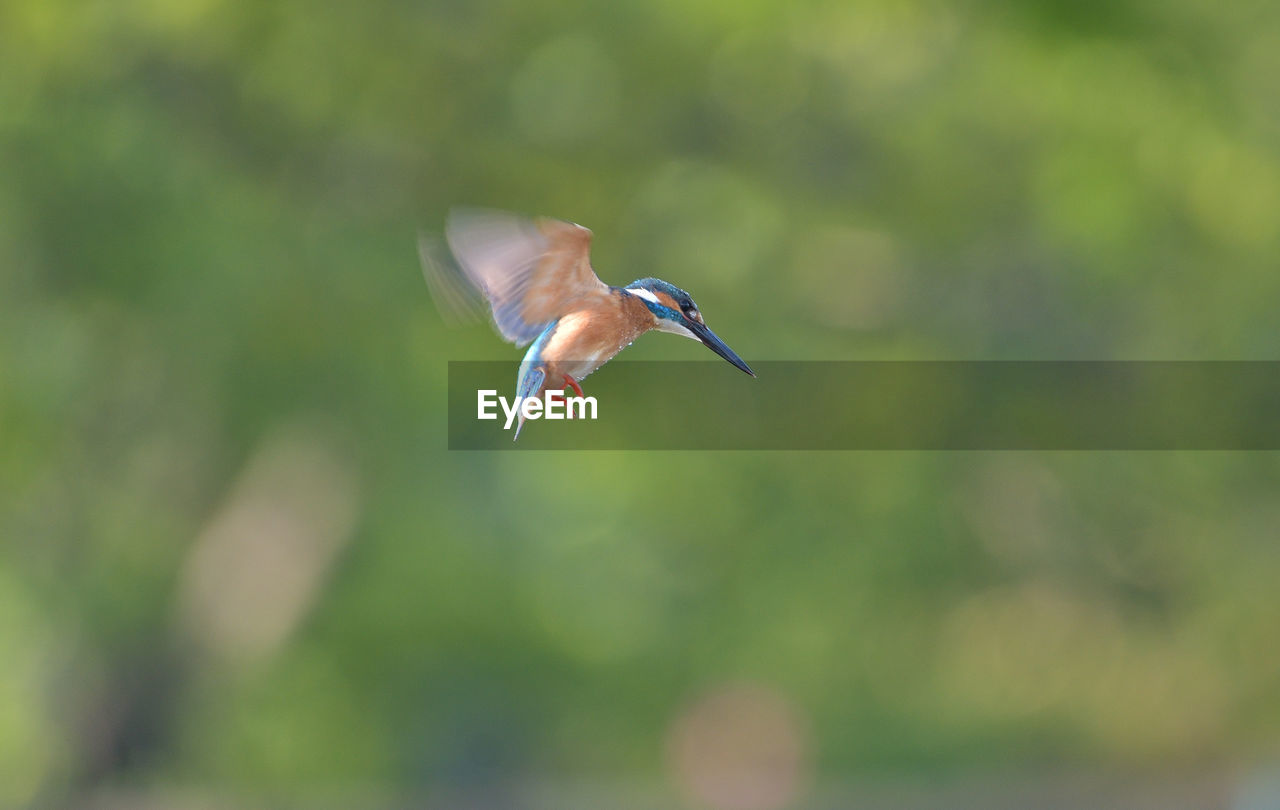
[715, 344]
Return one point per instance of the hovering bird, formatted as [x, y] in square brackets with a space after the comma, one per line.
[537, 278]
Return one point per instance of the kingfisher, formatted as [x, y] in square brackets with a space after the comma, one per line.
[537, 278]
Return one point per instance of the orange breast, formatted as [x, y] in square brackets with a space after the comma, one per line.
[586, 339]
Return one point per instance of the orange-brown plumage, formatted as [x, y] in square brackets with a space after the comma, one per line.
[587, 338]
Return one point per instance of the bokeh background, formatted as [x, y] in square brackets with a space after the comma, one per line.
[238, 566]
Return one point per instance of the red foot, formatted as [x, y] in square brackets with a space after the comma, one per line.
[572, 383]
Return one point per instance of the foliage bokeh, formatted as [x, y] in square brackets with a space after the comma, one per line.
[213, 326]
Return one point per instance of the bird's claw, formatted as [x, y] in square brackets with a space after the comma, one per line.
[570, 382]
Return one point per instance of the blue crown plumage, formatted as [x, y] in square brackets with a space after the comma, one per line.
[684, 303]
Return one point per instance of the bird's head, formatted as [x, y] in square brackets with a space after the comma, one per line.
[674, 311]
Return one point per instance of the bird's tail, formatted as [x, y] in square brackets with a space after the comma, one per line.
[529, 384]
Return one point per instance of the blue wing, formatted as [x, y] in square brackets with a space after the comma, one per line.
[531, 271]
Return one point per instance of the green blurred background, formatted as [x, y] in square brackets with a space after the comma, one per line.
[236, 561]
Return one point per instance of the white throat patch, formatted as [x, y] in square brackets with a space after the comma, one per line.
[674, 328]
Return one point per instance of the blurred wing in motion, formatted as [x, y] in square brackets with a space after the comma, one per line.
[531, 271]
[455, 296]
